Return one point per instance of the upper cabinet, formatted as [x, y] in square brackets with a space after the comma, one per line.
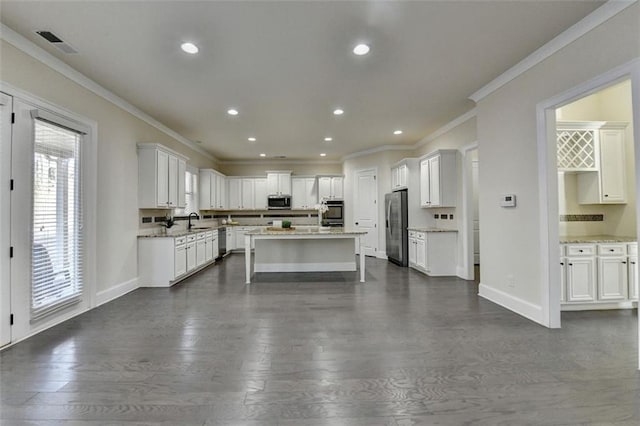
[213, 190]
[279, 183]
[596, 152]
[161, 174]
[247, 193]
[438, 179]
[399, 176]
[330, 188]
[304, 194]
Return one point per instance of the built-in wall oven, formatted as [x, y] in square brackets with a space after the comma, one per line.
[334, 216]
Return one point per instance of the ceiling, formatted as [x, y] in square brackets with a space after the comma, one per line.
[287, 65]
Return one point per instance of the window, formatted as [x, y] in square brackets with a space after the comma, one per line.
[56, 262]
[190, 191]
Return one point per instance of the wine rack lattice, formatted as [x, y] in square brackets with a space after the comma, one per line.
[576, 149]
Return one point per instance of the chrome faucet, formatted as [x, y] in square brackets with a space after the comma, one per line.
[197, 218]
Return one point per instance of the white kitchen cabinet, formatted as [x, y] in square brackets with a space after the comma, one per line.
[165, 260]
[633, 277]
[399, 175]
[191, 253]
[433, 253]
[247, 194]
[260, 194]
[438, 179]
[613, 281]
[607, 185]
[279, 183]
[330, 188]
[303, 193]
[230, 239]
[563, 280]
[212, 191]
[180, 260]
[161, 174]
[581, 279]
[201, 249]
[235, 193]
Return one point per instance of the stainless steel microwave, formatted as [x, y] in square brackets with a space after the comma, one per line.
[279, 202]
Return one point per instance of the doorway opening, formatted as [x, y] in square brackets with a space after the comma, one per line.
[597, 201]
[471, 236]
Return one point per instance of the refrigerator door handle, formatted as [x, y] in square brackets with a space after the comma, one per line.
[389, 216]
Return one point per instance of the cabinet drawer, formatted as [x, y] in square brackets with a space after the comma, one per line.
[180, 240]
[191, 238]
[420, 235]
[633, 249]
[581, 250]
[201, 236]
[612, 249]
[412, 234]
[209, 234]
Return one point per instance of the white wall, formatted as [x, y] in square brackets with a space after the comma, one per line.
[510, 242]
[298, 169]
[118, 133]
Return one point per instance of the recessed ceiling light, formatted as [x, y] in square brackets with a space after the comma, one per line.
[232, 111]
[263, 155]
[190, 48]
[323, 155]
[338, 112]
[397, 132]
[328, 139]
[251, 139]
[361, 49]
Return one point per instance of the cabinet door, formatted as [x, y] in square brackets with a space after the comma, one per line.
[613, 281]
[337, 190]
[240, 233]
[162, 178]
[208, 250]
[182, 171]
[284, 183]
[298, 193]
[201, 249]
[235, 194]
[421, 253]
[403, 171]
[260, 193]
[221, 195]
[311, 194]
[206, 191]
[324, 188]
[395, 182]
[434, 181]
[563, 281]
[633, 278]
[247, 193]
[424, 183]
[272, 184]
[173, 181]
[180, 261]
[581, 274]
[612, 162]
[214, 248]
[413, 248]
[231, 241]
[191, 256]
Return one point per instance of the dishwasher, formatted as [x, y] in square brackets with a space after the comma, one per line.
[222, 242]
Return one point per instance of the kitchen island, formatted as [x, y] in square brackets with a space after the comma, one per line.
[311, 249]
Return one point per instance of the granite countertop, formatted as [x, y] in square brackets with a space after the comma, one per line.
[311, 230]
[596, 239]
[173, 234]
[411, 228]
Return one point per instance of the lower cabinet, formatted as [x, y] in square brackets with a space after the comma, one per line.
[600, 273]
[231, 240]
[433, 253]
[163, 261]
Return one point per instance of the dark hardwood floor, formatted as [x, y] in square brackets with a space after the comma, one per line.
[322, 349]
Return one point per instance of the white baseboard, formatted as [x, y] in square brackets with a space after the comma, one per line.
[116, 291]
[462, 272]
[598, 306]
[381, 255]
[515, 304]
[305, 267]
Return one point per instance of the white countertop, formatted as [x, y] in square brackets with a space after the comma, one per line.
[596, 239]
[311, 230]
[431, 229]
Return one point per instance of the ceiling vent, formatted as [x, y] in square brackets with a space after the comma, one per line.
[57, 42]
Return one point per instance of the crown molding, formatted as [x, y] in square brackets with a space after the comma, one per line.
[580, 28]
[271, 162]
[36, 52]
[446, 128]
[381, 148]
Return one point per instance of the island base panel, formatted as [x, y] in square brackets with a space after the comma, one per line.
[314, 255]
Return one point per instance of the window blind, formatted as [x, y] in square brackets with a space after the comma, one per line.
[57, 255]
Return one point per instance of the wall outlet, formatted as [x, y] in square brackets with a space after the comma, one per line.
[436, 216]
[511, 281]
[451, 216]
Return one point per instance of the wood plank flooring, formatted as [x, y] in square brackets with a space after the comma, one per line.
[321, 349]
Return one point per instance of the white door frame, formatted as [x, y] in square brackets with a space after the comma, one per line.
[466, 269]
[548, 177]
[355, 199]
[5, 220]
[90, 182]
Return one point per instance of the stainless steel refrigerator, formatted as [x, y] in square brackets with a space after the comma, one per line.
[397, 218]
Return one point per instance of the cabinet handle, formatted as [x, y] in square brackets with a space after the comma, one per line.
[633, 263]
[561, 263]
[606, 195]
[581, 250]
[611, 250]
[571, 264]
[624, 263]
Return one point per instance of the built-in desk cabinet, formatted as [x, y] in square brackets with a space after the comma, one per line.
[161, 174]
[433, 253]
